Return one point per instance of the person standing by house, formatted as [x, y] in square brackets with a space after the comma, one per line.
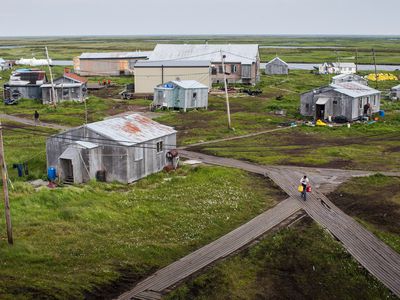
[36, 116]
[304, 182]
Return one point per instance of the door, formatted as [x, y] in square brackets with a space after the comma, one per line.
[320, 111]
[67, 170]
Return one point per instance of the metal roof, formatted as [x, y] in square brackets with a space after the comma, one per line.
[397, 87]
[2, 61]
[354, 89]
[130, 130]
[61, 85]
[115, 55]
[237, 53]
[87, 145]
[179, 63]
[185, 84]
[276, 59]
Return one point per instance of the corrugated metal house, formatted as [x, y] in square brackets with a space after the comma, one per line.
[185, 94]
[25, 83]
[69, 87]
[108, 63]
[337, 68]
[349, 78]
[242, 61]
[276, 67]
[150, 74]
[348, 99]
[123, 149]
[395, 92]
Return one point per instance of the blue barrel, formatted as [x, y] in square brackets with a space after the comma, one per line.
[51, 173]
[381, 113]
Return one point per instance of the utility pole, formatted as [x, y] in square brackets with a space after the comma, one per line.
[356, 60]
[376, 72]
[4, 176]
[53, 94]
[226, 90]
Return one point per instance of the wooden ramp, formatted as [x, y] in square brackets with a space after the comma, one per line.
[153, 287]
[374, 255]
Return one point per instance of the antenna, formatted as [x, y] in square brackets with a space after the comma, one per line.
[376, 72]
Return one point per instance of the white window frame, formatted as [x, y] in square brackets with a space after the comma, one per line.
[160, 147]
[139, 153]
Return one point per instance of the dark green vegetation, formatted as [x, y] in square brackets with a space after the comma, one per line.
[72, 240]
[365, 147]
[387, 48]
[301, 262]
[375, 202]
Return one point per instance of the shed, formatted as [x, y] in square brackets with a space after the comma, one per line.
[69, 87]
[25, 83]
[395, 92]
[108, 63]
[242, 61]
[348, 99]
[5, 65]
[123, 149]
[185, 94]
[276, 67]
[150, 74]
[349, 78]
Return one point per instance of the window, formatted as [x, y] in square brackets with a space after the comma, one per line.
[233, 68]
[138, 153]
[159, 147]
[360, 101]
[220, 69]
[335, 102]
[194, 95]
[213, 71]
[307, 105]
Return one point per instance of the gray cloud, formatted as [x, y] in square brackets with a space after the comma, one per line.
[127, 17]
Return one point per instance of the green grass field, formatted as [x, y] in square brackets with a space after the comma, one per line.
[301, 262]
[71, 240]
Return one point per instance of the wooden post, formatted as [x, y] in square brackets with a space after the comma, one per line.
[376, 72]
[226, 91]
[4, 176]
[53, 94]
[356, 60]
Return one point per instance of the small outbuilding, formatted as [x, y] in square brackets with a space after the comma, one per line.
[185, 94]
[69, 87]
[395, 92]
[25, 83]
[5, 64]
[347, 99]
[276, 67]
[123, 149]
[349, 78]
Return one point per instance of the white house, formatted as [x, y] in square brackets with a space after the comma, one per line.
[337, 68]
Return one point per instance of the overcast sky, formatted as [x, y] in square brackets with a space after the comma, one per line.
[141, 17]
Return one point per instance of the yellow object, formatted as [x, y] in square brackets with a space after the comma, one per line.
[320, 123]
[300, 188]
[382, 77]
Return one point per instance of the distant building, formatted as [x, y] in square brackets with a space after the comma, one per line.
[349, 78]
[337, 68]
[150, 74]
[185, 94]
[276, 67]
[395, 92]
[348, 99]
[69, 87]
[33, 62]
[25, 83]
[242, 61]
[108, 63]
[123, 149]
[5, 64]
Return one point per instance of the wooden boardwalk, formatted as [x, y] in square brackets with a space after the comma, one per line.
[153, 286]
[374, 255]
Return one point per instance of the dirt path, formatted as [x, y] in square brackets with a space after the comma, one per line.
[32, 122]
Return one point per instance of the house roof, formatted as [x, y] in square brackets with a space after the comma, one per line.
[277, 59]
[61, 85]
[2, 61]
[186, 84]
[115, 55]
[236, 53]
[179, 63]
[397, 87]
[354, 89]
[76, 77]
[130, 130]
[343, 76]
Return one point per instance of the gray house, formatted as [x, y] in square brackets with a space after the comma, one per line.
[349, 78]
[395, 92]
[348, 99]
[123, 149]
[276, 67]
[185, 94]
[69, 87]
[25, 83]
